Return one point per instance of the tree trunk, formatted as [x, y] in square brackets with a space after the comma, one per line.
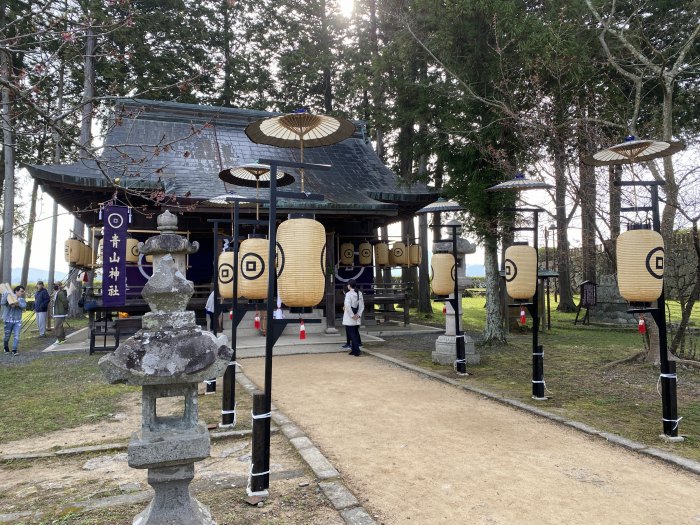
[324, 40]
[410, 273]
[58, 153]
[86, 144]
[30, 234]
[424, 304]
[494, 330]
[671, 187]
[52, 255]
[227, 91]
[377, 85]
[588, 207]
[692, 299]
[88, 90]
[73, 309]
[615, 192]
[9, 167]
[386, 272]
[566, 299]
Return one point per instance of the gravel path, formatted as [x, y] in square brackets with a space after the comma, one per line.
[426, 453]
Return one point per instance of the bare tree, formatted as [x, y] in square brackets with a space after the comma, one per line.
[646, 58]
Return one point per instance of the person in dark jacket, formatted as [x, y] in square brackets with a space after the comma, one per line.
[60, 310]
[41, 307]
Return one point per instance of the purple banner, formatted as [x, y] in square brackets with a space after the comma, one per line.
[114, 255]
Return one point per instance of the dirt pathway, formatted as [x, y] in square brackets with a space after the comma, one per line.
[422, 452]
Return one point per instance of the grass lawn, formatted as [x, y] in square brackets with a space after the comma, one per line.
[43, 393]
[583, 385]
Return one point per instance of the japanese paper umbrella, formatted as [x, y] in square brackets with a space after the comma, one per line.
[254, 176]
[300, 129]
[633, 150]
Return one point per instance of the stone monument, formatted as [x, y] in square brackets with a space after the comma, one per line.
[168, 357]
[445, 346]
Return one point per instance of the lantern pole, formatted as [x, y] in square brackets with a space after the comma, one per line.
[262, 412]
[461, 361]
[538, 385]
[669, 399]
[228, 402]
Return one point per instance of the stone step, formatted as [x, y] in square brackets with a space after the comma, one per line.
[246, 328]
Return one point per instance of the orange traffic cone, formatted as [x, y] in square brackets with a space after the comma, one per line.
[302, 330]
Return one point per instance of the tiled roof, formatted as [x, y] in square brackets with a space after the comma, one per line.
[186, 146]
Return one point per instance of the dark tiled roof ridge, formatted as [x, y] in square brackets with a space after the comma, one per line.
[161, 110]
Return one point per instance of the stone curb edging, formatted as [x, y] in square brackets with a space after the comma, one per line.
[52, 346]
[328, 477]
[662, 455]
[108, 447]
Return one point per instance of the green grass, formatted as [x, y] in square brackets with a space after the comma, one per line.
[584, 383]
[52, 393]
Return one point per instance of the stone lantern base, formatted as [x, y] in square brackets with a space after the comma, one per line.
[173, 504]
[446, 350]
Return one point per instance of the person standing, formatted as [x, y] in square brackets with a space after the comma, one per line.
[352, 315]
[41, 307]
[210, 309]
[60, 310]
[12, 318]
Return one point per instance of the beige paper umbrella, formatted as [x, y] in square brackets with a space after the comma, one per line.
[441, 205]
[300, 129]
[254, 176]
[520, 183]
[633, 150]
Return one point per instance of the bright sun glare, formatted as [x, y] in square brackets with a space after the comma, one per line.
[346, 7]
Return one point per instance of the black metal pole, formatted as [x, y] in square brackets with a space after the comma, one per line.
[228, 401]
[211, 383]
[668, 368]
[260, 479]
[461, 361]
[546, 284]
[537, 350]
[215, 272]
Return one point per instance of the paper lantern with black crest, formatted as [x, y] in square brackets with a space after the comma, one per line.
[640, 264]
[381, 254]
[86, 255]
[365, 254]
[226, 276]
[347, 254]
[132, 250]
[443, 273]
[301, 261]
[521, 271]
[73, 252]
[415, 254]
[399, 255]
[253, 267]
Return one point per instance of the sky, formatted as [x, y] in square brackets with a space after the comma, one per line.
[41, 246]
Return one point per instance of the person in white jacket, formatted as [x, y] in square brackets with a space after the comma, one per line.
[353, 307]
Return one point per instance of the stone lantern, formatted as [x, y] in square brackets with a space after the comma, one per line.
[168, 357]
[444, 353]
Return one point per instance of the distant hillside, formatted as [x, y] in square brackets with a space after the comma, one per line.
[35, 275]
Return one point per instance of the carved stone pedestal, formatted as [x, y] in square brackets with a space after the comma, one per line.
[173, 504]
